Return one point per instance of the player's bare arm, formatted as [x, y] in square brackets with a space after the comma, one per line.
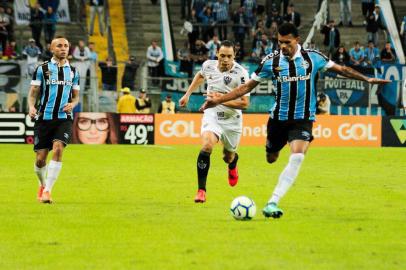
[32, 98]
[197, 81]
[239, 103]
[75, 100]
[212, 101]
[353, 74]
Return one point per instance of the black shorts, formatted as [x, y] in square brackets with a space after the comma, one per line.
[281, 132]
[47, 131]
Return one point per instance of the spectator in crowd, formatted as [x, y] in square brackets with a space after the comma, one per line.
[47, 54]
[198, 6]
[341, 56]
[126, 103]
[93, 54]
[331, 37]
[12, 51]
[263, 48]
[323, 104]
[94, 128]
[220, 10]
[70, 53]
[274, 17]
[372, 55]
[403, 30]
[250, 10]
[292, 16]
[50, 21]
[207, 19]
[130, 71]
[154, 57]
[36, 21]
[54, 4]
[194, 35]
[81, 55]
[167, 106]
[273, 33]
[356, 55]
[345, 13]
[109, 75]
[239, 53]
[32, 52]
[257, 33]
[374, 23]
[185, 58]
[388, 55]
[199, 53]
[212, 46]
[240, 26]
[143, 103]
[96, 6]
[185, 6]
[91, 74]
[4, 22]
[367, 7]
[312, 45]
[10, 26]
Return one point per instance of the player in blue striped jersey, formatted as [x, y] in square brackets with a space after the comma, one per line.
[293, 71]
[56, 84]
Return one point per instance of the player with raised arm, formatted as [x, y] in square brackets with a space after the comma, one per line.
[292, 70]
[223, 122]
[56, 84]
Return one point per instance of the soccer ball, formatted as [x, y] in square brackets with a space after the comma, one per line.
[243, 208]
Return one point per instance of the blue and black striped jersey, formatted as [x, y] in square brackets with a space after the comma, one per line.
[56, 86]
[295, 82]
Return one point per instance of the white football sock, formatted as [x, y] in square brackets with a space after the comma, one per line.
[40, 172]
[54, 169]
[287, 177]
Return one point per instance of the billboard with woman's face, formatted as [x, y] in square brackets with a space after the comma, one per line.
[95, 128]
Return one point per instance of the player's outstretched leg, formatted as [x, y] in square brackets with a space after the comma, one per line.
[54, 168]
[40, 169]
[232, 169]
[41, 174]
[286, 179]
[203, 165]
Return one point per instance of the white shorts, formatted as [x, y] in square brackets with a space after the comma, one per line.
[228, 131]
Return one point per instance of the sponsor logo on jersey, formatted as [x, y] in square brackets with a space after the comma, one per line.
[283, 79]
[53, 81]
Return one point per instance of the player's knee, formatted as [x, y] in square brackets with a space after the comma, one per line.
[271, 158]
[207, 147]
[57, 148]
[228, 158]
[40, 162]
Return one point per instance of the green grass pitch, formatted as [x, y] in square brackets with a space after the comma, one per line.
[131, 207]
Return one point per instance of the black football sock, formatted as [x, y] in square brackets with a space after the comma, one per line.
[234, 162]
[203, 165]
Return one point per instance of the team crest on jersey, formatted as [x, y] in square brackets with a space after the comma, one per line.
[305, 64]
[72, 74]
[278, 68]
[48, 73]
[227, 79]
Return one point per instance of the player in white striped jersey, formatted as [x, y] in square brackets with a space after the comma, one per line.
[223, 122]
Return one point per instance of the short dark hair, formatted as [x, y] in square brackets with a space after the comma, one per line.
[226, 43]
[288, 28]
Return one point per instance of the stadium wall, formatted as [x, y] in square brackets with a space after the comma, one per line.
[181, 129]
